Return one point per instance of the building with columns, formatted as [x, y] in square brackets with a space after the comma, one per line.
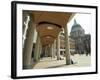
[41, 36]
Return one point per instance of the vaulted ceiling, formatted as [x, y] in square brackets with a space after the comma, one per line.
[49, 24]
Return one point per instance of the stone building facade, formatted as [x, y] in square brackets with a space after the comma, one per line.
[82, 40]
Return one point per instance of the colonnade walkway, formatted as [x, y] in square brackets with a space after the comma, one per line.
[48, 62]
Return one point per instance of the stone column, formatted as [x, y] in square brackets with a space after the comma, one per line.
[36, 51]
[51, 50]
[58, 47]
[25, 20]
[46, 51]
[27, 50]
[67, 48]
[54, 45]
[55, 48]
[40, 50]
[25, 25]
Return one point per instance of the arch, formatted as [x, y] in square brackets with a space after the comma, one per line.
[45, 22]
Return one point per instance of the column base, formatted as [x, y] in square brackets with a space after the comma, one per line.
[36, 60]
[27, 66]
[68, 62]
[59, 58]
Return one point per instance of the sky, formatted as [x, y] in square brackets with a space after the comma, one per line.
[84, 20]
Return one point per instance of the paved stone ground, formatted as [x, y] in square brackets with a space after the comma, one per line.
[48, 62]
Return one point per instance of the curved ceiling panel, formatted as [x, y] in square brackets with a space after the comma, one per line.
[48, 32]
[47, 40]
[48, 29]
[59, 18]
[49, 24]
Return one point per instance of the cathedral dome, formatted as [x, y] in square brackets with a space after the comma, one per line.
[76, 27]
[76, 30]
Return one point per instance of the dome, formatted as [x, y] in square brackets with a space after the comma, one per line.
[76, 30]
[76, 27]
